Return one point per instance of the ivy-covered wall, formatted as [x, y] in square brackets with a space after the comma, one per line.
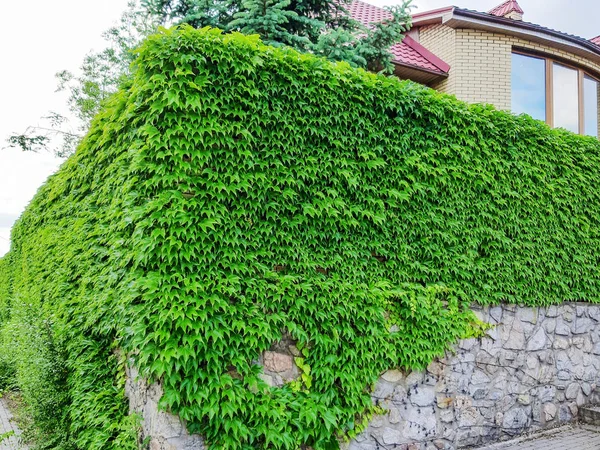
[231, 193]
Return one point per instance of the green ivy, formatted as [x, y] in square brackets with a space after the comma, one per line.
[231, 192]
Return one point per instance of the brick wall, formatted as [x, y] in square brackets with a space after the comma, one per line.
[441, 40]
[482, 69]
[481, 62]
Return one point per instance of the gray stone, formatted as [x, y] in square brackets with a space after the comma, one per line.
[513, 335]
[580, 400]
[552, 311]
[462, 401]
[383, 390]
[594, 313]
[394, 415]
[399, 394]
[582, 325]
[414, 378]
[568, 313]
[435, 368]
[549, 412]
[537, 341]
[377, 422]
[496, 313]
[550, 325]
[268, 379]
[479, 393]
[393, 376]
[535, 369]
[479, 377]
[469, 417]
[547, 393]
[467, 344]
[562, 328]
[563, 375]
[529, 315]
[166, 425]
[564, 413]
[574, 409]
[524, 399]
[420, 429]
[447, 415]
[563, 362]
[423, 396]
[560, 344]
[588, 345]
[515, 420]
[165, 431]
[391, 436]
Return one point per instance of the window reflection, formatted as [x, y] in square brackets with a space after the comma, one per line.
[570, 101]
[529, 86]
[566, 98]
[591, 97]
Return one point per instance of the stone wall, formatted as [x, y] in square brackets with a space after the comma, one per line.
[163, 431]
[533, 370]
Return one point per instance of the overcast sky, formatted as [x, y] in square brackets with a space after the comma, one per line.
[40, 38]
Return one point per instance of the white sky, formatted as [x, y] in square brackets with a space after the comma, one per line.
[40, 38]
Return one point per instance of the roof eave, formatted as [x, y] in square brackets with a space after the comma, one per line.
[432, 17]
[461, 18]
[470, 19]
[421, 69]
[418, 74]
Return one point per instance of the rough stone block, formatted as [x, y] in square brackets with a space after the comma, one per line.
[393, 376]
[277, 362]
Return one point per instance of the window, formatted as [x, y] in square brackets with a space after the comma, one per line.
[563, 96]
[565, 90]
[591, 100]
[529, 86]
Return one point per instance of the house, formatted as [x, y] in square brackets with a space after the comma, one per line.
[498, 58]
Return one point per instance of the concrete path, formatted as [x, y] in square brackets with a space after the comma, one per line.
[6, 425]
[573, 437]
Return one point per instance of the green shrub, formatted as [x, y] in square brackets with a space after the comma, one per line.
[233, 191]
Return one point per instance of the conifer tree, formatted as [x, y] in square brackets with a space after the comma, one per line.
[323, 27]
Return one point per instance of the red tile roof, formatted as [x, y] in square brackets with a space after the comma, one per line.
[596, 40]
[408, 52]
[366, 13]
[412, 53]
[506, 8]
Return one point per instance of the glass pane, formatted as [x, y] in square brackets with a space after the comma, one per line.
[566, 98]
[591, 97]
[529, 86]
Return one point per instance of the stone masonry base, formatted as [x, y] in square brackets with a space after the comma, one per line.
[532, 371]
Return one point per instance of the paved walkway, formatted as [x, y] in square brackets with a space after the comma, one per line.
[7, 425]
[565, 438]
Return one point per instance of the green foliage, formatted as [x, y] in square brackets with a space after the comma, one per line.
[322, 27]
[230, 192]
[7, 435]
[424, 319]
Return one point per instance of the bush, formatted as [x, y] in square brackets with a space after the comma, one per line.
[232, 191]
